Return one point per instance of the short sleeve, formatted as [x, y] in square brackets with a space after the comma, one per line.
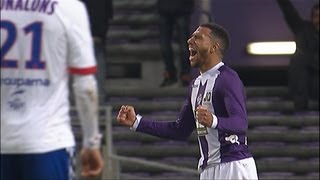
[80, 45]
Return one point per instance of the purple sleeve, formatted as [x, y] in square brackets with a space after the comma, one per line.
[231, 110]
[180, 129]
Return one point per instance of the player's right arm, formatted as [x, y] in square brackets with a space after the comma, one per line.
[180, 129]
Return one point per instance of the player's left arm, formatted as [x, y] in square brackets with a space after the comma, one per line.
[85, 91]
[234, 98]
[86, 96]
[82, 66]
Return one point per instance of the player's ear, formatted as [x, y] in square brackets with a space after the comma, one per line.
[213, 48]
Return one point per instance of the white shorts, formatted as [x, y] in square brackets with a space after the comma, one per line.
[242, 169]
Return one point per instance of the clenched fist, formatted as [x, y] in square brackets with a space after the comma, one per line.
[204, 116]
[91, 162]
[126, 116]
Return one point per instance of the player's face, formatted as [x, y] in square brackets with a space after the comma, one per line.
[315, 18]
[199, 47]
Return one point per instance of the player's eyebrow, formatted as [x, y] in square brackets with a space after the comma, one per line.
[196, 35]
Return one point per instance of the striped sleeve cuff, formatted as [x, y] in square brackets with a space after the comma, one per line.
[83, 71]
[214, 121]
[136, 122]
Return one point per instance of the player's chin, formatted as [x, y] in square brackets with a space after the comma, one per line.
[193, 62]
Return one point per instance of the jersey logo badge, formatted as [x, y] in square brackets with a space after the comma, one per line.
[199, 99]
[195, 85]
[208, 96]
[233, 139]
[16, 103]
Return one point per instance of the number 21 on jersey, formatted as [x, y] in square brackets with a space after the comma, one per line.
[35, 31]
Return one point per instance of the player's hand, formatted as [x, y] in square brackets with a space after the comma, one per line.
[204, 116]
[126, 115]
[91, 162]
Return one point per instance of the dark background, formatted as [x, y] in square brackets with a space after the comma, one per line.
[252, 21]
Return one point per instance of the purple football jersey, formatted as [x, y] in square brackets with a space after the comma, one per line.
[221, 91]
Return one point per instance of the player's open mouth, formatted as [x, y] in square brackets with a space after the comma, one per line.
[192, 52]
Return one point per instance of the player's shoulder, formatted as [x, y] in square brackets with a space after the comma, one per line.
[71, 5]
[228, 77]
[228, 72]
[71, 11]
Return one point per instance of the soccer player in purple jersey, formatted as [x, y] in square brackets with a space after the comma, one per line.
[215, 108]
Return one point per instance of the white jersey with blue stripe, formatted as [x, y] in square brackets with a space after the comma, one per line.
[42, 41]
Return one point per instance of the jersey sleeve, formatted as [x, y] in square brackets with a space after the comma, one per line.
[180, 129]
[81, 54]
[232, 90]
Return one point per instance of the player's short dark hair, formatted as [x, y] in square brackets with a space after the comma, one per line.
[219, 33]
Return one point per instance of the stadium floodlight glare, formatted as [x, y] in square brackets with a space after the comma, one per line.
[271, 48]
